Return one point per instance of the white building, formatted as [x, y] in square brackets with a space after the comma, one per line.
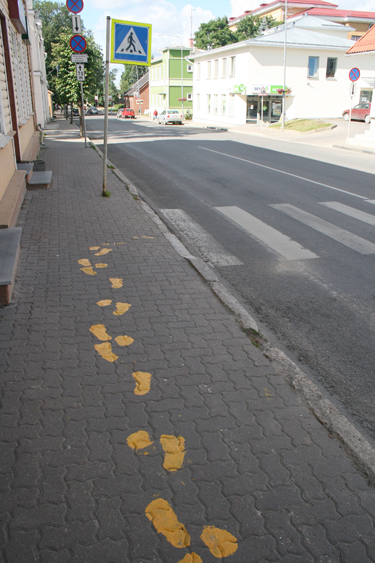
[228, 81]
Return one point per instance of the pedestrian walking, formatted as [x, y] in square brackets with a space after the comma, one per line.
[155, 115]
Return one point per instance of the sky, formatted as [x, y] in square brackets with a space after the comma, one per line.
[176, 16]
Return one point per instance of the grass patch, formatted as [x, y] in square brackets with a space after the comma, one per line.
[106, 194]
[110, 166]
[302, 125]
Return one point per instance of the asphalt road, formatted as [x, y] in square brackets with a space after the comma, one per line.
[293, 237]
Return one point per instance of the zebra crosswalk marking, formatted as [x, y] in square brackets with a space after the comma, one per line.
[273, 239]
[336, 233]
[350, 211]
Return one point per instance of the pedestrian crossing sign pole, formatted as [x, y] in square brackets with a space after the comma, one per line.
[131, 43]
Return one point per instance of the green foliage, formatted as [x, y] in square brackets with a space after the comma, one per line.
[130, 75]
[215, 33]
[67, 88]
[252, 26]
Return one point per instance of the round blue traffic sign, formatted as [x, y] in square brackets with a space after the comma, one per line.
[78, 43]
[75, 6]
[354, 74]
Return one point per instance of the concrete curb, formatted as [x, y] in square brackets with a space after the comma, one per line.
[359, 449]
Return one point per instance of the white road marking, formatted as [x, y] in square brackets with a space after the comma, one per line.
[283, 172]
[350, 211]
[210, 249]
[370, 201]
[339, 235]
[276, 241]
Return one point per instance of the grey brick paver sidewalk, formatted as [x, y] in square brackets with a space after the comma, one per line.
[256, 463]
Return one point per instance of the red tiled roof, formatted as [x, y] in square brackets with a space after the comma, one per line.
[310, 3]
[340, 13]
[366, 44]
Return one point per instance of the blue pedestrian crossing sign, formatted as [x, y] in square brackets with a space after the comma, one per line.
[131, 43]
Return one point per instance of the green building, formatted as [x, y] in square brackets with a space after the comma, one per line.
[167, 88]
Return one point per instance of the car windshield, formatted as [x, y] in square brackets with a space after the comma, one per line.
[173, 111]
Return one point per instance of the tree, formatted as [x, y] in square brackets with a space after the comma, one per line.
[252, 26]
[130, 75]
[67, 87]
[215, 33]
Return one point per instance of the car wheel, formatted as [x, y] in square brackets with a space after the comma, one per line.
[346, 116]
[367, 119]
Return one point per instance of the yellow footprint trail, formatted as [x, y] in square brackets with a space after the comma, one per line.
[174, 451]
[142, 382]
[105, 350]
[191, 558]
[100, 332]
[84, 262]
[121, 308]
[101, 265]
[104, 302]
[124, 340]
[139, 440]
[165, 521]
[103, 251]
[220, 542]
[116, 282]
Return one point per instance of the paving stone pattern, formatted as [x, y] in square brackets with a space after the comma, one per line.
[256, 464]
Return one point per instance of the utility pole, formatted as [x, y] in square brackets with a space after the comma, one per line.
[284, 84]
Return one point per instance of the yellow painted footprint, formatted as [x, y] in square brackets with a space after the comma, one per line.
[100, 332]
[104, 302]
[221, 543]
[116, 283]
[174, 451]
[139, 440]
[103, 251]
[105, 351]
[87, 269]
[121, 308]
[142, 382]
[165, 521]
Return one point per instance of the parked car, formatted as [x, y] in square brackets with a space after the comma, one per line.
[361, 112]
[127, 112]
[75, 111]
[119, 111]
[170, 116]
[92, 111]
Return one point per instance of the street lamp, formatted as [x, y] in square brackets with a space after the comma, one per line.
[182, 66]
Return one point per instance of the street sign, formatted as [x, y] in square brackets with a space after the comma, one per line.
[131, 43]
[78, 43]
[263, 92]
[354, 74]
[139, 101]
[79, 58]
[76, 24]
[74, 6]
[80, 68]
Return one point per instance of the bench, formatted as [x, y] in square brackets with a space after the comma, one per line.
[12, 199]
[9, 254]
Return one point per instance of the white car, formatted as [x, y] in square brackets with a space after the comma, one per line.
[170, 116]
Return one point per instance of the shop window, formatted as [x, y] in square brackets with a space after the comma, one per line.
[331, 67]
[208, 103]
[365, 96]
[215, 104]
[312, 71]
[223, 104]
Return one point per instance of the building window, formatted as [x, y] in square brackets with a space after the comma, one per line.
[224, 68]
[216, 68]
[232, 66]
[189, 96]
[356, 37]
[208, 103]
[198, 71]
[190, 68]
[198, 102]
[208, 69]
[223, 104]
[312, 71]
[215, 103]
[231, 105]
[331, 67]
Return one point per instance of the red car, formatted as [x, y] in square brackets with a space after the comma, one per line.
[128, 113]
[361, 112]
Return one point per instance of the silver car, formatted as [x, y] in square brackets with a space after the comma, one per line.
[170, 116]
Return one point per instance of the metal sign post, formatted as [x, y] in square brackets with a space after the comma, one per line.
[83, 115]
[354, 75]
[106, 106]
